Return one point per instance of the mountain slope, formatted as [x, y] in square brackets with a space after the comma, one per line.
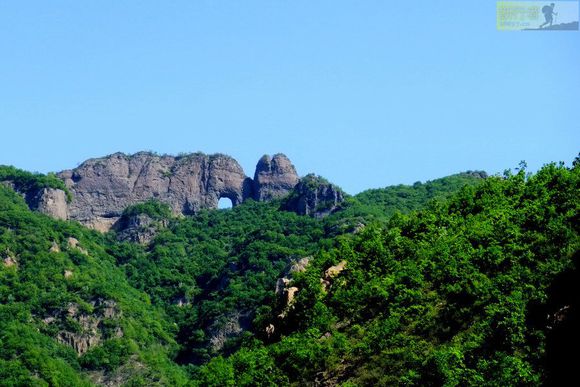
[451, 295]
[67, 312]
[447, 282]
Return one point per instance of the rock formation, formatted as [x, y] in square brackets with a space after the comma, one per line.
[274, 177]
[88, 329]
[230, 326]
[314, 196]
[101, 189]
[331, 273]
[139, 228]
[284, 289]
[51, 201]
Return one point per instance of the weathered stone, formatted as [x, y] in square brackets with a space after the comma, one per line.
[290, 294]
[102, 188]
[274, 178]
[52, 202]
[314, 196]
[281, 285]
[335, 270]
[300, 265]
[81, 342]
[231, 326]
[90, 328]
[139, 228]
[331, 273]
[287, 297]
[270, 329]
[285, 292]
[10, 262]
[73, 243]
[121, 375]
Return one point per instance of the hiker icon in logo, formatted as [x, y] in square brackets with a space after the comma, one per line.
[548, 11]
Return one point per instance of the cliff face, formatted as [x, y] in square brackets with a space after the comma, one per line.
[314, 196]
[102, 188]
[274, 178]
[50, 201]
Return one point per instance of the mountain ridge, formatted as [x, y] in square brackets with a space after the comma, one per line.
[101, 188]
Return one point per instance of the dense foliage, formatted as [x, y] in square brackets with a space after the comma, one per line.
[152, 208]
[28, 182]
[217, 267]
[464, 280]
[382, 203]
[446, 296]
[50, 286]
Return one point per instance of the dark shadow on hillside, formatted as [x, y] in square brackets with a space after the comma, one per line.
[560, 320]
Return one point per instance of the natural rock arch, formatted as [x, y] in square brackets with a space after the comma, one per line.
[103, 187]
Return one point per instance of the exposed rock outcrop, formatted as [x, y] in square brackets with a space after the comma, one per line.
[10, 262]
[120, 376]
[331, 273]
[54, 248]
[52, 202]
[102, 188]
[231, 326]
[73, 243]
[314, 196]
[49, 201]
[83, 330]
[140, 228]
[275, 177]
[284, 291]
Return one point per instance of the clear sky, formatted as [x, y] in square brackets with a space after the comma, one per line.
[366, 93]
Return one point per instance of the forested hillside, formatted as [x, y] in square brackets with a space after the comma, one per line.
[68, 314]
[465, 280]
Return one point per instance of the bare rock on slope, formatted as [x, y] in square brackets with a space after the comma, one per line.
[51, 201]
[274, 178]
[102, 188]
[314, 196]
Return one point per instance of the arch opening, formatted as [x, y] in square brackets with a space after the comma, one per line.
[225, 203]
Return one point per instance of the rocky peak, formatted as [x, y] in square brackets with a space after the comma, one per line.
[274, 178]
[314, 196]
[100, 189]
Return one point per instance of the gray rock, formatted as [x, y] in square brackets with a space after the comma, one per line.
[314, 196]
[52, 202]
[102, 188]
[229, 326]
[89, 330]
[274, 178]
[138, 228]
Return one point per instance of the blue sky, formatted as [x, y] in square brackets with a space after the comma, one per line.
[366, 93]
